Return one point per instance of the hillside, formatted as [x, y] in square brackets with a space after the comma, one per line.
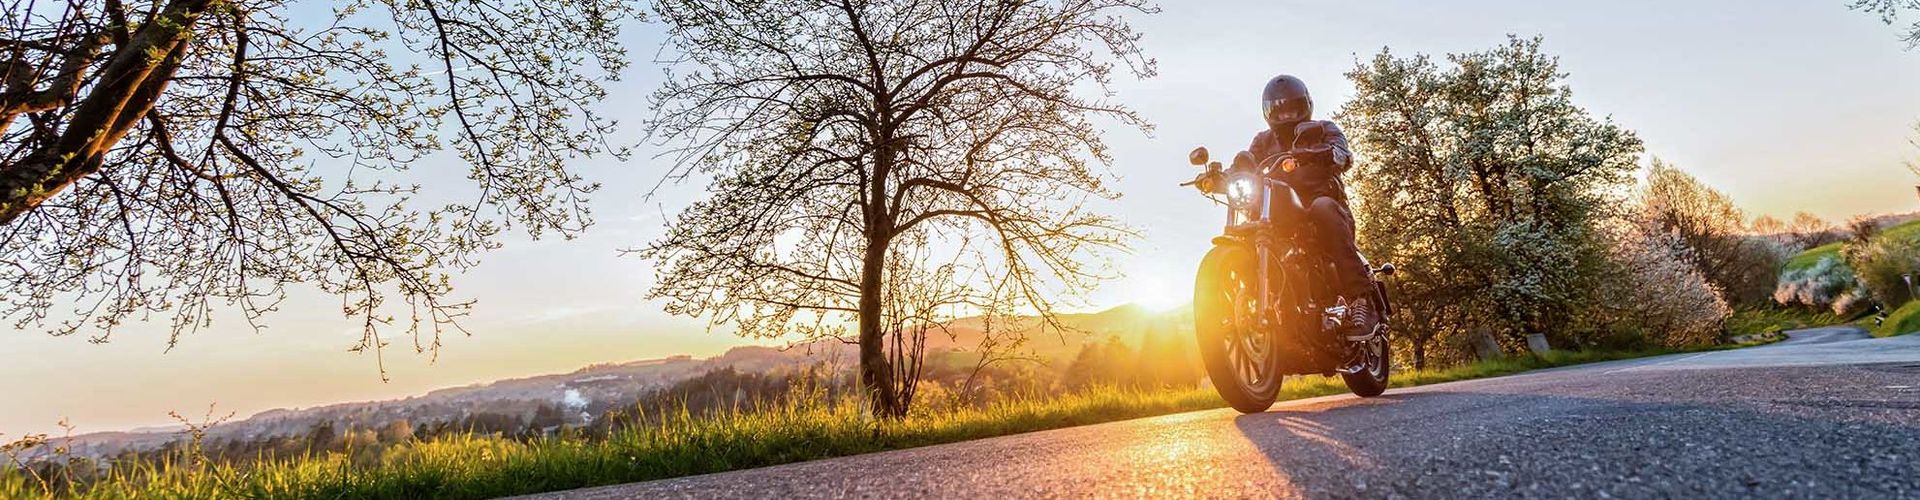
[1129, 323]
[581, 393]
[1904, 226]
[596, 389]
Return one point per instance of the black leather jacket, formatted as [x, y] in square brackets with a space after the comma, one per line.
[1321, 152]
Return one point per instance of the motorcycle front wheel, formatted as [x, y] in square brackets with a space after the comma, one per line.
[1237, 347]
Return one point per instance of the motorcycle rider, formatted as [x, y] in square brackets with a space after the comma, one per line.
[1321, 155]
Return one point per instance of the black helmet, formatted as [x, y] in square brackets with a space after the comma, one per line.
[1285, 102]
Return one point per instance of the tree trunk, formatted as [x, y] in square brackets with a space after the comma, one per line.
[128, 86]
[876, 374]
[1420, 354]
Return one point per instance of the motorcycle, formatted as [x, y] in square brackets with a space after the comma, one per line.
[1263, 305]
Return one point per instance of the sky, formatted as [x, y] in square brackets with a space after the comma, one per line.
[1784, 105]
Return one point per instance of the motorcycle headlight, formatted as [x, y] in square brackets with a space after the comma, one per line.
[1241, 191]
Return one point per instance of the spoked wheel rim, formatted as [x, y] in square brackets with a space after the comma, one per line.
[1376, 356]
[1249, 347]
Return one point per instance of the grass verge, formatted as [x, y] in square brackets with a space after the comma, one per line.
[483, 466]
[1766, 319]
[1901, 321]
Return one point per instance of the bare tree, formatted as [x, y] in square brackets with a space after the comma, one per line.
[1766, 225]
[1890, 12]
[1002, 340]
[1811, 231]
[169, 155]
[864, 147]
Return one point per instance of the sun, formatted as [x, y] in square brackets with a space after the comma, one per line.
[1154, 290]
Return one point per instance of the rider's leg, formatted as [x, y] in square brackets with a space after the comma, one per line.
[1335, 226]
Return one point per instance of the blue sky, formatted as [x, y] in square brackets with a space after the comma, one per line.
[1784, 105]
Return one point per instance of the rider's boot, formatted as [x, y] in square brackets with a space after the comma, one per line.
[1360, 319]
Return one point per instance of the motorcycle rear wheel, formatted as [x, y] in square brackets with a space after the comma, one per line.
[1239, 349]
[1372, 379]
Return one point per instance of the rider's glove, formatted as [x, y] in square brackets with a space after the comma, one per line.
[1314, 156]
[1310, 147]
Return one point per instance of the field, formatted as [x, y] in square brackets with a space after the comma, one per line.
[475, 466]
[1909, 230]
[1811, 256]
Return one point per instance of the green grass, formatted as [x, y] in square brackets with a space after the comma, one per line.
[1764, 319]
[680, 445]
[1901, 321]
[1811, 256]
[1909, 230]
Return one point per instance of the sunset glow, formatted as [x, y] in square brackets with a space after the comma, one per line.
[1687, 83]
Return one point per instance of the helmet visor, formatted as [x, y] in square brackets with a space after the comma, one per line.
[1293, 110]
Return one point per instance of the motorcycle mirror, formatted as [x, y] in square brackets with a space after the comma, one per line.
[1244, 160]
[1198, 157]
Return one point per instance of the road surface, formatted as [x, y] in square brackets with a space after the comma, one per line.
[1827, 413]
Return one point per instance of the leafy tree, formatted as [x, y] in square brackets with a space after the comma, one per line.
[170, 155]
[1166, 356]
[1710, 229]
[888, 164]
[1484, 182]
[321, 437]
[1108, 362]
[398, 430]
[546, 415]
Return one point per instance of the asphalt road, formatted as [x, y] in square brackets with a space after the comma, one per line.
[1828, 413]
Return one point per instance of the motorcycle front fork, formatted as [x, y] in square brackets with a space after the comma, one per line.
[1269, 265]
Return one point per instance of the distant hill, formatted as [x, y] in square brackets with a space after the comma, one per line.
[599, 387]
[1129, 323]
[595, 387]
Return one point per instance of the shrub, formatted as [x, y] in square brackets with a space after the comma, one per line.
[1752, 270]
[1827, 284]
[1880, 264]
[1659, 298]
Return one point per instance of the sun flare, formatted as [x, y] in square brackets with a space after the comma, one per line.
[1154, 290]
